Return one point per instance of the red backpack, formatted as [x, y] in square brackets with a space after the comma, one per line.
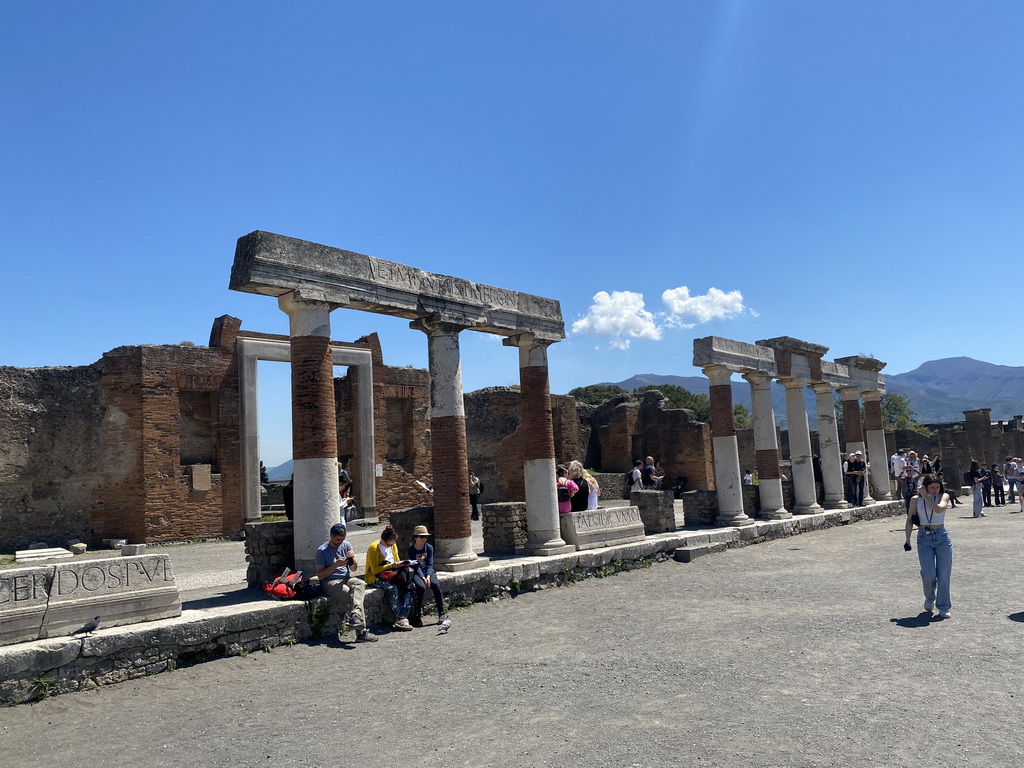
[288, 586]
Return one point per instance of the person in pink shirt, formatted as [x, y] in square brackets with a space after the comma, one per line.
[565, 488]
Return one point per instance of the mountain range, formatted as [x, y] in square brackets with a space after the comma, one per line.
[938, 390]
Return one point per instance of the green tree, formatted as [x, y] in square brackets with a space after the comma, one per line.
[742, 416]
[596, 394]
[264, 477]
[897, 413]
[683, 398]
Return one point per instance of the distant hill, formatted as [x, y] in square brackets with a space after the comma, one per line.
[281, 473]
[941, 390]
[938, 390]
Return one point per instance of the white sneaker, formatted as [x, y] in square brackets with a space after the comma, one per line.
[928, 605]
[402, 625]
[944, 614]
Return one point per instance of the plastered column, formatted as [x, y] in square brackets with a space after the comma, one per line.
[766, 447]
[728, 480]
[805, 498]
[874, 427]
[453, 539]
[543, 534]
[828, 440]
[314, 425]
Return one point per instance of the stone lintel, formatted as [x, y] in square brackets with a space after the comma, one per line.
[273, 265]
[738, 356]
[794, 346]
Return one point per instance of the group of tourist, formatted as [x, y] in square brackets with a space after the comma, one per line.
[404, 581]
[646, 475]
[576, 489]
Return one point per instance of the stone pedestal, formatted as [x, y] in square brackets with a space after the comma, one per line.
[657, 510]
[602, 527]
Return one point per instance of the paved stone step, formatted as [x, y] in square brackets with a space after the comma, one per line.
[28, 555]
[689, 554]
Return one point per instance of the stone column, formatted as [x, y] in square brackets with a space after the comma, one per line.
[766, 446]
[453, 539]
[828, 439]
[878, 477]
[542, 522]
[851, 419]
[314, 425]
[805, 499]
[728, 480]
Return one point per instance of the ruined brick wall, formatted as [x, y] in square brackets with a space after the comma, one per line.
[169, 408]
[50, 425]
[494, 438]
[401, 424]
[618, 448]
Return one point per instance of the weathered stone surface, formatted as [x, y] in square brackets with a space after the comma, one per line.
[41, 553]
[128, 550]
[79, 548]
[23, 598]
[602, 527]
[122, 591]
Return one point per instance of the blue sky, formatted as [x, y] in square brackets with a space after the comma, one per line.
[849, 173]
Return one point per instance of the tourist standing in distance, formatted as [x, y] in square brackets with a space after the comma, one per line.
[335, 561]
[998, 494]
[976, 477]
[896, 463]
[649, 472]
[1010, 471]
[934, 547]
[564, 490]
[421, 552]
[475, 488]
[855, 469]
[595, 490]
[385, 571]
[636, 476]
[986, 487]
[578, 501]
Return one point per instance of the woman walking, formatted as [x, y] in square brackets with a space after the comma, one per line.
[934, 548]
[977, 478]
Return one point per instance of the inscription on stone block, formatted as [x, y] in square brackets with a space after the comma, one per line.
[602, 527]
[54, 600]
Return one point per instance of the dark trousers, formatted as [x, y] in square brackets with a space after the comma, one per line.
[999, 492]
[855, 490]
[473, 505]
[420, 587]
[986, 493]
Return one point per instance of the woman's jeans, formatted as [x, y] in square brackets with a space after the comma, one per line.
[400, 599]
[421, 590]
[935, 552]
[976, 491]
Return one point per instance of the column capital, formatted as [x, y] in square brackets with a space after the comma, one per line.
[437, 325]
[871, 396]
[528, 339]
[309, 313]
[792, 382]
[821, 387]
[718, 374]
[849, 393]
[757, 378]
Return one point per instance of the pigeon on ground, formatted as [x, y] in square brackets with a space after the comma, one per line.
[88, 628]
[444, 626]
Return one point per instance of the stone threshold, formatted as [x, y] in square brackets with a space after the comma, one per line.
[34, 670]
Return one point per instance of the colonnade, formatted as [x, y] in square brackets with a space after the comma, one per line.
[797, 366]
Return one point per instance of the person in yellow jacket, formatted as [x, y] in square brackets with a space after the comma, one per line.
[385, 571]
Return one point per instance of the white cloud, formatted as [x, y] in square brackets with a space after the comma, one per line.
[620, 317]
[714, 305]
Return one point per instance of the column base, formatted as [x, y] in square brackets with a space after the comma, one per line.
[882, 496]
[733, 520]
[460, 563]
[807, 509]
[774, 514]
[547, 550]
[836, 504]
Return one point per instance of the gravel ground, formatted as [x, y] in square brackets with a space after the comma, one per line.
[808, 651]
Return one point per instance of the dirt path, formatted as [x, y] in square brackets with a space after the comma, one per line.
[808, 651]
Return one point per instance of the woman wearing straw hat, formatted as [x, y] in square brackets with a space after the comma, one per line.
[421, 552]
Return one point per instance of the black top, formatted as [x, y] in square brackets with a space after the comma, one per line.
[578, 501]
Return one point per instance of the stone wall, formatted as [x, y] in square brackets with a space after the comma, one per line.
[269, 549]
[50, 432]
[493, 434]
[504, 527]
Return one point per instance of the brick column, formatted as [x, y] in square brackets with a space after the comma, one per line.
[828, 439]
[728, 480]
[851, 419]
[314, 425]
[453, 539]
[542, 522]
[805, 498]
[766, 446]
[879, 478]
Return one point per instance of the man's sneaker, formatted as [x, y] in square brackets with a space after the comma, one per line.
[402, 625]
[982, 514]
[928, 605]
[944, 614]
[355, 621]
[366, 637]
